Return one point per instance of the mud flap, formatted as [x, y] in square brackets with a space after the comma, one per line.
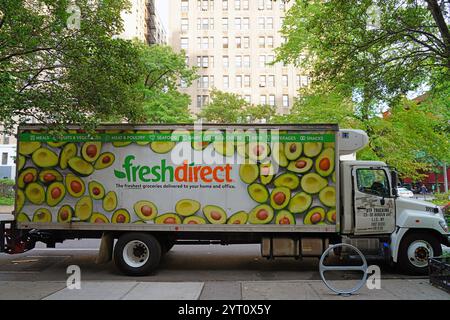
[106, 249]
[2, 236]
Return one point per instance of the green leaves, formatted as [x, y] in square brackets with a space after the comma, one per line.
[119, 174]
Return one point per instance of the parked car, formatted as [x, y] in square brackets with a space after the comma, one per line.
[403, 192]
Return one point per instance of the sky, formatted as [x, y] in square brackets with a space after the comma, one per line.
[162, 8]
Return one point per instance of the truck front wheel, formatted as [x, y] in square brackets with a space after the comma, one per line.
[415, 250]
[137, 254]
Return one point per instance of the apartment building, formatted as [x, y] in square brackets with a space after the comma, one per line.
[7, 155]
[232, 42]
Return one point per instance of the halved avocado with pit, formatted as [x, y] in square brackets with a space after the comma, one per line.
[312, 183]
[187, 207]
[300, 202]
[98, 218]
[199, 146]
[80, 166]
[96, 190]
[42, 215]
[145, 210]
[215, 214]
[284, 217]
[300, 165]
[45, 158]
[194, 220]
[21, 162]
[258, 151]
[121, 216]
[266, 172]
[120, 144]
[328, 196]
[331, 216]
[91, 151]
[240, 217]
[35, 193]
[258, 192]
[288, 180]
[279, 198]
[224, 148]
[74, 185]
[168, 218]
[22, 217]
[315, 215]
[312, 149]
[248, 172]
[325, 162]
[104, 161]
[146, 142]
[28, 175]
[84, 208]
[68, 152]
[20, 200]
[55, 193]
[262, 214]
[27, 148]
[110, 201]
[49, 176]
[56, 144]
[293, 150]
[65, 214]
[280, 156]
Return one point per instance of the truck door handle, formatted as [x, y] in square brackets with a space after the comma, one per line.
[382, 202]
[360, 208]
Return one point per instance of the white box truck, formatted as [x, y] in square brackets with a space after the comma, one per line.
[152, 186]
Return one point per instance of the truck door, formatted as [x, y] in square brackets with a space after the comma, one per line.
[374, 206]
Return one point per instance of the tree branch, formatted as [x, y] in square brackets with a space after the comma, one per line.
[438, 17]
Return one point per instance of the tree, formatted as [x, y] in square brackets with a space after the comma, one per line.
[163, 72]
[57, 74]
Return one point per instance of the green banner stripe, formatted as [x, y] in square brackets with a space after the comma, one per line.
[161, 137]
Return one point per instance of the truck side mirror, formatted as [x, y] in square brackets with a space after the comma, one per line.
[394, 180]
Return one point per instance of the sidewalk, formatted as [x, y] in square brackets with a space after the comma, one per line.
[405, 289]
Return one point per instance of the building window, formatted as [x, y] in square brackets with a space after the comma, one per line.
[271, 81]
[211, 42]
[184, 43]
[270, 59]
[224, 24]
[226, 82]
[282, 5]
[246, 63]
[269, 23]
[199, 61]
[246, 42]
[263, 100]
[184, 5]
[5, 158]
[205, 43]
[260, 4]
[5, 139]
[248, 98]
[199, 23]
[225, 5]
[203, 82]
[237, 23]
[237, 4]
[205, 62]
[272, 100]
[202, 101]
[238, 81]
[285, 101]
[262, 61]
[245, 4]
[262, 42]
[245, 23]
[269, 42]
[261, 23]
[238, 42]
[226, 61]
[269, 4]
[205, 24]
[238, 61]
[211, 23]
[262, 81]
[184, 25]
[285, 80]
[247, 81]
[225, 42]
[211, 61]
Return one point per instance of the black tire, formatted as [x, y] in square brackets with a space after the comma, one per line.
[404, 262]
[154, 253]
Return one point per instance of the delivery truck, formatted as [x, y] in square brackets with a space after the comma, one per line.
[143, 188]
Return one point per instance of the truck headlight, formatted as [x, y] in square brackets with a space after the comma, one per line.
[443, 225]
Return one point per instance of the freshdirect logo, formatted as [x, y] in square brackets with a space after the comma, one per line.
[168, 173]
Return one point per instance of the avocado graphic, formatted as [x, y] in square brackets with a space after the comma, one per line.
[139, 222]
[258, 192]
[168, 218]
[20, 200]
[27, 148]
[96, 190]
[22, 161]
[145, 210]
[121, 216]
[80, 166]
[44, 158]
[42, 215]
[333, 177]
[91, 151]
[315, 215]
[56, 144]
[215, 214]
[278, 150]
[65, 214]
[331, 216]
[83, 208]
[55, 193]
[144, 143]
[293, 150]
[266, 172]
[312, 149]
[300, 202]
[98, 218]
[325, 162]
[328, 196]
[248, 172]
[288, 180]
[194, 220]
[261, 214]
[239, 217]
[35, 193]
[199, 145]
[312, 183]
[48, 176]
[110, 201]
[284, 217]
[224, 148]
[28, 175]
[300, 165]
[258, 151]
[162, 146]
[22, 217]
[119, 144]
[68, 152]
[74, 185]
[279, 198]
[187, 207]
[242, 150]
[104, 161]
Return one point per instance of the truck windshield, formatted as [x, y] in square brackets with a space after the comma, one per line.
[373, 181]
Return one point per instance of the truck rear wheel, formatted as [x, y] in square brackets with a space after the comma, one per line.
[137, 254]
[415, 250]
